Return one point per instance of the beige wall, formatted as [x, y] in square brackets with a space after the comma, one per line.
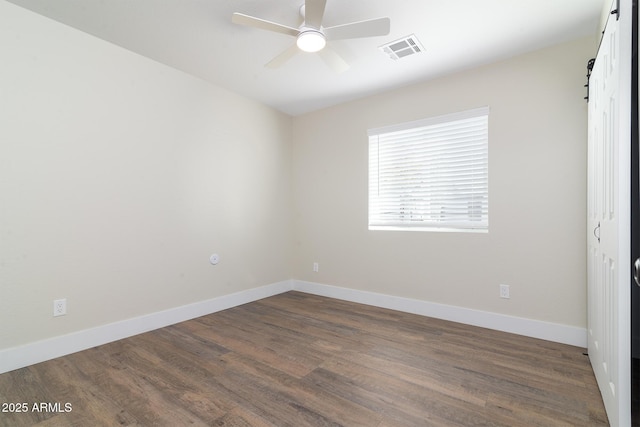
[120, 176]
[537, 161]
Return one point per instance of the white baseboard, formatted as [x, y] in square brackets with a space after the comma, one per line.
[517, 325]
[40, 351]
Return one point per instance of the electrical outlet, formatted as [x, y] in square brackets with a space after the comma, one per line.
[60, 307]
[316, 267]
[504, 291]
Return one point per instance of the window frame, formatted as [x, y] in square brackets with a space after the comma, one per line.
[444, 223]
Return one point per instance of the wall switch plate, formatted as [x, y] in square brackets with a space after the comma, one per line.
[316, 267]
[504, 291]
[60, 307]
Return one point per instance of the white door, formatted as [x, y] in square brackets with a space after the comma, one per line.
[608, 219]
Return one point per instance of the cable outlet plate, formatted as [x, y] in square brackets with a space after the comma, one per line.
[59, 307]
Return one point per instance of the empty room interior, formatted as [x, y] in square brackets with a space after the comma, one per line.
[427, 218]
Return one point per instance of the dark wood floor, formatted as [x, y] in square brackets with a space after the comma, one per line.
[302, 360]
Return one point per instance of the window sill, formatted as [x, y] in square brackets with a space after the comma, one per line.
[428, 229]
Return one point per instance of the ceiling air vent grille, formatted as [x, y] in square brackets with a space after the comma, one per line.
[404, 47]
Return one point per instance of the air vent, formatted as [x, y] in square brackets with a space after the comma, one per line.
[402, 48]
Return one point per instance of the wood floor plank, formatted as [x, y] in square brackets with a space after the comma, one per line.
[303, 395]
[301, 360]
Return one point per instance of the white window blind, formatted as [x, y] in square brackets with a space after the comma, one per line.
[431, 173]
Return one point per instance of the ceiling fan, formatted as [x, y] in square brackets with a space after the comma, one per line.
[311, 36]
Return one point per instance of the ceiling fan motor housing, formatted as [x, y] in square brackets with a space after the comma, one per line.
[311, 40]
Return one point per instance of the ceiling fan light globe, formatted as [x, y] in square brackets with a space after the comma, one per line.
[311, 41]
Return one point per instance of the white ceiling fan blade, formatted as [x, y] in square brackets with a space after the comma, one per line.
[369, 28]
[283, 57]
[252, 21]
[333, 60]
[313, 13]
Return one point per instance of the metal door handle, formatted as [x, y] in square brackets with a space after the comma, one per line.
[596, 232]
[636, 271]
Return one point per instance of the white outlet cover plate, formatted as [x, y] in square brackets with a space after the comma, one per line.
[59, 307]
[504, 291]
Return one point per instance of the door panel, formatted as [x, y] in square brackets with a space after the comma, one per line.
[602, 225]
[608, 209]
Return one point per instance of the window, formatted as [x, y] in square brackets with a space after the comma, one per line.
[431, 174]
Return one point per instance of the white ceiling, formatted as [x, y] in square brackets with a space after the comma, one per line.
[197, 37]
